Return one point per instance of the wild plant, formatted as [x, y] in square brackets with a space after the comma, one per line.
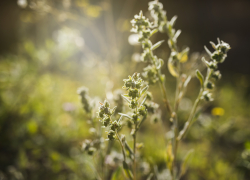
[139, 99]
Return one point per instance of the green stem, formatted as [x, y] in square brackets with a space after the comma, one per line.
[122, 146]
[125, 165]
[131, 154]
[134, 150]
[175, 120]
[140, 123]
[164, 93]
[190, 118]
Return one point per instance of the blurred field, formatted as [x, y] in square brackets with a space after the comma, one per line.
[61, 45]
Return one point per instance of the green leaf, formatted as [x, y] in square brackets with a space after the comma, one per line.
[183, 56]
[177, 34]
[172, 21]
[170, 156]
[126, 99]
[187, 81]
[143, 101]
[185, 161]
[125, 115]
[172, 67]
[208, 52]
[213, 45]
[117, 174]
[150, 176]
[156, 45]
[127, 170]
[144, 89]
[153, 32]
[200, 77]
[113, 110]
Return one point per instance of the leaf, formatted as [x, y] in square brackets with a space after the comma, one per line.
[172, 68]
[187, 81]
[125, 115]
[170, 156]
[177, 34]
[153, 32]
[200, 77]
[213, 45]
[143, 101]
[183, 56]
[126, 99]
[113, 110]
[127, 171]
[156, 45]
[172, 21]
[150, 176]
[205, 61]
[117, 174]
[120, 118]
[209, 53]
[144, 89]
[185, 161]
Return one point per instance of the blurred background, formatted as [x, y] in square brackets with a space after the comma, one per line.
[50, 48]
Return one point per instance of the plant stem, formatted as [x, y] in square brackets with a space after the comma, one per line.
[134, 137]
[192, 114]
[123, 149]
[190, 118]
[134, 156]
[124, 157]
[175, 120]
[164, 93]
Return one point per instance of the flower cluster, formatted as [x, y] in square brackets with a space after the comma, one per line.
[218, 56]
[159, 15]
[91, 146]
[105, 113]
[83, 93]
[165, 26]
[135, 91]
[140, 23]
[118, 100]
[142, 26]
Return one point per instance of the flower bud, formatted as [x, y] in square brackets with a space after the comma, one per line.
[151, 107]
[207, 96]
[86, 145]
[218, 56]
[123, 138]
[111, 135]
[212, 65]
[149, 96]
[106, 104]
[142, 111]
[216, 75]
[129, 124]
[147, 44]
[101, 114]
[133, 104]
[146, 56]
[134, 93]
[209, 85]
[115, 125]
[223, 47]
[91, 151]
[135, 117]
[106, 121]
[127, 83]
